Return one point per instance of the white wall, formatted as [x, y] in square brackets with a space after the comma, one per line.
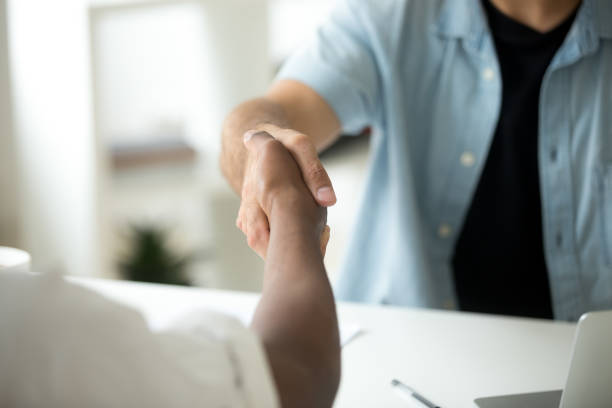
[188, 62]
[148, 64]
[179, 63]
[287, 31]
[56, 147]
[8, 165]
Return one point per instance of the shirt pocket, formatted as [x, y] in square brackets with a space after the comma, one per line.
[604, 175]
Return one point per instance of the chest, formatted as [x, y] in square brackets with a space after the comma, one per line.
[450, 106]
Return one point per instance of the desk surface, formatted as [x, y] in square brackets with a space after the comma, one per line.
[449, 357]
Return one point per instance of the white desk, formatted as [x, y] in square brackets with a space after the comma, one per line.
[449, 357]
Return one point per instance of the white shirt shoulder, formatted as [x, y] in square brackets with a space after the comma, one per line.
[62, 345]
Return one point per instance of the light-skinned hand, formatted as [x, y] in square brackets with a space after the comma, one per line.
[273, 170]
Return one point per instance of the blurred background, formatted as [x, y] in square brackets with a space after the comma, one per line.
[110, 121]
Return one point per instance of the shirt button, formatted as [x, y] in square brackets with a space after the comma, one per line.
[444, 231]
[468, 159]
[553, 155]
[488, 74]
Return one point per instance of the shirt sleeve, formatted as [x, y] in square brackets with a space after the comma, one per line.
[238, 367]
[340, 65]
[102, 354]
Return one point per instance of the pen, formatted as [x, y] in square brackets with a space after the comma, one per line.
[409, 392]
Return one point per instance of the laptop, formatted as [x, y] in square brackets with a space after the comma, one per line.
[589, 382]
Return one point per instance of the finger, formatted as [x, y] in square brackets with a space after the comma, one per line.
[325, 239]
[306, 155]
[241, 218]
[258, 233]
[239, 223]
[255, 139]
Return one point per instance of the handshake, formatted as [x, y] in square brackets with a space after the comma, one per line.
[284, 185]
[287, 227]
[285, 191]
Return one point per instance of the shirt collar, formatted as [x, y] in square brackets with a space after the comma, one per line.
[466, 19]
[603, 11]
[454, 19]
[463, 19]
[592, 24]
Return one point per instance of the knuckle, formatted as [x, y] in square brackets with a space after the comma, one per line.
[258, 219]
[252, 241]
[240, 219]
[299, 140]
[256, 237]
[249, 200]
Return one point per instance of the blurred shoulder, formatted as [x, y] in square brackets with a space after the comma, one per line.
[385, 11]
[394, 25]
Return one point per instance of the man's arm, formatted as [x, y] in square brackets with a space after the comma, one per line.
[243, 118]
[303, 122]
[296, 317]
[287, 105]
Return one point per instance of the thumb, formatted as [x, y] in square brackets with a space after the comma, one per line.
[305, 154]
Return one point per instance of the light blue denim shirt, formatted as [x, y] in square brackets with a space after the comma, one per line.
[424, 74]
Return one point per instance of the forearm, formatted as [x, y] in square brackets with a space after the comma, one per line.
[296, 317]
[245, 117]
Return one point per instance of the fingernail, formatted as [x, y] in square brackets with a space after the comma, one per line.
[326, 195]
[248, 135]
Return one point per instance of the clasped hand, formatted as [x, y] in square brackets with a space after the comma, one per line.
[283, 172]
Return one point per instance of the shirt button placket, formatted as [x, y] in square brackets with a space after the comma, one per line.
[554, 153]
[559, 240]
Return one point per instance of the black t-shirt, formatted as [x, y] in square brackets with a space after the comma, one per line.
[498, 263]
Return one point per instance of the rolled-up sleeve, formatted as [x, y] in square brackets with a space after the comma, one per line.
[340, 65]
